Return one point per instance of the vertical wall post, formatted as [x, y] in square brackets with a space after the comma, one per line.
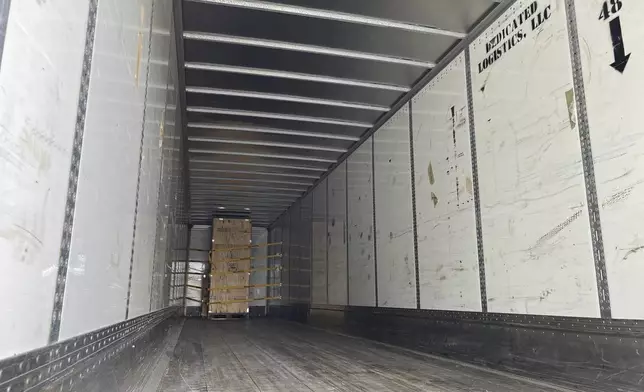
[326, 239]
[373, 190]
[72, 185]
[475, 182]
[346, 219]
[413, 203]
[588, 165]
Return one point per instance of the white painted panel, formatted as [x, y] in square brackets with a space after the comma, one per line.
[304, 230]
[99, 261]
[447, 249]
[154, 129]
[200, 244]
[319, 225]
[394, 233]
[536, 238]
[39, 85]
[275, 276]
[337, 235]
[614, 115]
[286, 258]
[362, 274]
[260, 237]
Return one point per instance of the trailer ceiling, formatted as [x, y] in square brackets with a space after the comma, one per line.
[277, 92]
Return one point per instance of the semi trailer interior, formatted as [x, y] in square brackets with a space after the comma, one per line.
[321, 195]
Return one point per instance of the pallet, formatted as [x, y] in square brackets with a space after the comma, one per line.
[224, 316]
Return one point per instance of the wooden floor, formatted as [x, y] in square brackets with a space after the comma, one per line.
[266, 355]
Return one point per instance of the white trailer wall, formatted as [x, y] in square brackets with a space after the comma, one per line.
[394, 231]
[447, 249]
[41, 65]
[514, 211]
[362, 271]
[538, 254]
[613, 101]
[259, 278]
[319, 244]
[337, 235]
[101, 97]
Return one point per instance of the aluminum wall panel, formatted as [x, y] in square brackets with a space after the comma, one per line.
[286, 258]
[200, 245]
[258, 278]
[337, 235]
[614, 119]
[362, 274]
[150, 169]
[319, 241]
[275, 276]
[394, 232]
[302, 279]
[447, 247]
[295, 248]
[99, 262]
[536, 237]
[41, 65]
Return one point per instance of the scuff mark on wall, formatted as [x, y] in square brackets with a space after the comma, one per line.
[556, 230]
[617, 197]
[570, 102]
[430, 174]
[468, 185]
[632, 252]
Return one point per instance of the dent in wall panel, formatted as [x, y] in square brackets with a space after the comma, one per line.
[362, 285]
[319, 253]
[536, 238]
[447, 247]
[39, 86]
[394, 232]
[613, 98]
[337, 235]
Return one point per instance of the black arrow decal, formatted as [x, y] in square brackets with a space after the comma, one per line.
[621, 58]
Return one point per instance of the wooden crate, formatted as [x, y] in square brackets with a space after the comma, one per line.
[231, 252]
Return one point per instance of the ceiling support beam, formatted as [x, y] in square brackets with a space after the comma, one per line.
[244, 128]
[273, 166]
[278, 116]
[286, 98]
[294, 76]
[313, 49]
[267, 144]
[335, 16]
[259, 155]
[257, 173]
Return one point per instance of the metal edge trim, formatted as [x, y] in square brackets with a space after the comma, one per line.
[626, 328]
[36, 368]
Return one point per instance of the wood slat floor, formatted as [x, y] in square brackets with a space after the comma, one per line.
[270, 356]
